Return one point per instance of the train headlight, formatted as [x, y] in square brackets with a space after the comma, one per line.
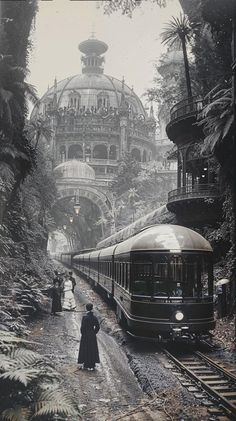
[179, 316]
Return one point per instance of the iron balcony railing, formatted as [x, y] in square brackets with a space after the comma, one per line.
[186, 107]
[192, 192]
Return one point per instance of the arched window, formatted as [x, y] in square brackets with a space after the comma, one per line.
[136, 154]
[74, 100]
[103, 100]
[75, 152]
[100, 152]
[62, 153]
[144, 156]
[112, 154]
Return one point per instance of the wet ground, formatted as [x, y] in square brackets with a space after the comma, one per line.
[133, 381]
[111, 392]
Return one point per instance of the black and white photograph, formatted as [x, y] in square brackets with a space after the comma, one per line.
[117, 210]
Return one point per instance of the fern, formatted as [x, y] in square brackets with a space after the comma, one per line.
[16, 414]
[29, 373]
[6, 363]
[22, 375]
[25, 357]
[54, 402]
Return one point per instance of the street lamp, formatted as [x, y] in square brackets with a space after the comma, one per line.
[64, 227]
[77, 204]
[71, 219]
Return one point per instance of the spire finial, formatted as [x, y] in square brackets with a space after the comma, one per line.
[123, 85]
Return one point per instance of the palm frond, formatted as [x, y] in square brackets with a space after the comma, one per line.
[216, 118]
[176, 30]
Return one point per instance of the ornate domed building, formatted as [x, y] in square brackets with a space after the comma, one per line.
[97, 118]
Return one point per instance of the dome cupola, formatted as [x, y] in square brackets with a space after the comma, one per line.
[92, 60]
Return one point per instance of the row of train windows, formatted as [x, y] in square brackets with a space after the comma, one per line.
[163, 279]
[121, 272]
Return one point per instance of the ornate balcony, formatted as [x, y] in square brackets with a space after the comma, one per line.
[195, 205]
[183, 116]
[202, 191]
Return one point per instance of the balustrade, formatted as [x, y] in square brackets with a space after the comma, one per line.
[197, 191]
[186, 107]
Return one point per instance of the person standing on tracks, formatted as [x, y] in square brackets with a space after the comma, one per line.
[88, 351]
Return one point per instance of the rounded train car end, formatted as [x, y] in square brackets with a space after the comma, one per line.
[161, 281]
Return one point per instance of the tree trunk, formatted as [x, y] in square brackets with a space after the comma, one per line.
[186, 68]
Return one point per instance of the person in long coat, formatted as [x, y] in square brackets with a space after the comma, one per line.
[88, 351]
[56, 298]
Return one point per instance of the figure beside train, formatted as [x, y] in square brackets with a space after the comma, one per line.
[161, 280]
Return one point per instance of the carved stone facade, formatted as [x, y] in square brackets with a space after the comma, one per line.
[96, 119]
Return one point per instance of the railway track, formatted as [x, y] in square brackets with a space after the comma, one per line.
[214, 378]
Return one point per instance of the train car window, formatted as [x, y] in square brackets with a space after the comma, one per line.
[128, 276]
[115, 271]
[122, 274]
[142, 278]
[140, 288]
[160, 276]
[196, 282]
[125, 276]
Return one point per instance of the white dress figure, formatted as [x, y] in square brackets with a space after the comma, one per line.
[69, 301]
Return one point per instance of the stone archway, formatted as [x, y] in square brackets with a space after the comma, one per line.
[99, 198]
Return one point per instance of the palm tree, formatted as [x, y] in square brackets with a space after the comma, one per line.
[37, 128]
[178, 32]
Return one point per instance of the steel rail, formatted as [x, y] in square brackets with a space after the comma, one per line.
[225, 403]
[216, 366]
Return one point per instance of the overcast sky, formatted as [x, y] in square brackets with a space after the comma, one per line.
[134, 44]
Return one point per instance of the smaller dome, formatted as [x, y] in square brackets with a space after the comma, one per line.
[74, 169]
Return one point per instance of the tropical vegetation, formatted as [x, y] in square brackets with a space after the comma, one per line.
[29, 385]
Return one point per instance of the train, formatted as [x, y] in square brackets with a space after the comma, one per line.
[160, 279]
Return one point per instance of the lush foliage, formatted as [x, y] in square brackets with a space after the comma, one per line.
[127, 7]
[29, 385]
[145, 190]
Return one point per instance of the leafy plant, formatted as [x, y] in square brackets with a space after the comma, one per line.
[27, 379]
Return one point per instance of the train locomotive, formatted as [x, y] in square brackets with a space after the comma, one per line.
[161, 281]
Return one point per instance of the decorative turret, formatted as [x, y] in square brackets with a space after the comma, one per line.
[123, 108]
[54, 101]
[92, 60]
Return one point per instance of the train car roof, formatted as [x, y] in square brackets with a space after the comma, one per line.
[172, 238]
[108, 251]
[81, 255]
[94, 254]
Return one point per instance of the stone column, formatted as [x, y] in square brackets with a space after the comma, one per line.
[123, 135]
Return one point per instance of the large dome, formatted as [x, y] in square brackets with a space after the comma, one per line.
[92, 88]
[89, 87]
[74, 169]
